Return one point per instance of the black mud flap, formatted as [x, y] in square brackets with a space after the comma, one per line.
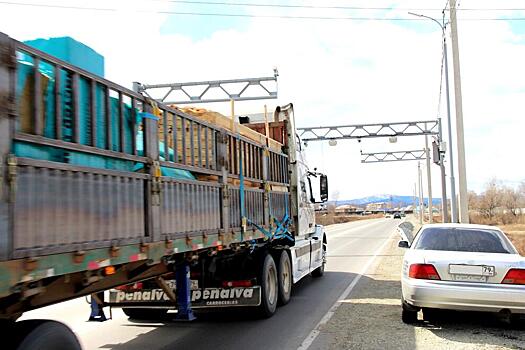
[200, 298]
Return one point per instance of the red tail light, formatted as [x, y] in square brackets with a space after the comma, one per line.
[130, 287]
[514, 276]
[244, 283]
[423, 272]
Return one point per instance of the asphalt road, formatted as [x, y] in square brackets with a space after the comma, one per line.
[350, 247]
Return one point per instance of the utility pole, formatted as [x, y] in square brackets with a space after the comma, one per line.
[453, 198]
[441, 153]
[453, 202]
[420, 184]
[463, 199]
[429, 182]
[415, 197]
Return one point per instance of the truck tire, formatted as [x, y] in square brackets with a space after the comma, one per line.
[45, 335]
[318, 272]
[269, 287]
[285, 279]
[144, 314]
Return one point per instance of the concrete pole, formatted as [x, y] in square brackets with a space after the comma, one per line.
[415, 197]
[420, 185]
[444, 207]
[429, 182]
[453, 202]
[463, 195]
[451, 152]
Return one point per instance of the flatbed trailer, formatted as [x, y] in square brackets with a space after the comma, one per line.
[91, 198]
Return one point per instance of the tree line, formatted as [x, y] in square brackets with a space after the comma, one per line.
[498, 204]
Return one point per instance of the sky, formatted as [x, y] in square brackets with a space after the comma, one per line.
[335, 71]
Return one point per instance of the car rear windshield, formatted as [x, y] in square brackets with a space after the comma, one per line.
[464, 240]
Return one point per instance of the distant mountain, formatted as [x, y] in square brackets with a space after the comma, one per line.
[395, 199]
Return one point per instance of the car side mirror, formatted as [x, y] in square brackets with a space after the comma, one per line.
[403, 244]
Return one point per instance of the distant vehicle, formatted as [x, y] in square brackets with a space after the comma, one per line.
[397, 216]
[321, 207]
[403, 214]
[388, 216]
[462, 267]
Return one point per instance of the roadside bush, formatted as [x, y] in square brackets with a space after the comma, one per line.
[497, 204]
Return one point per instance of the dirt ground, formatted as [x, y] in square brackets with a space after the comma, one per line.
[516, 233]
[370, 318]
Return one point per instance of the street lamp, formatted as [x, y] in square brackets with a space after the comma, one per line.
[454, 208]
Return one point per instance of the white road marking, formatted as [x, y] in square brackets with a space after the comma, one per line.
[307, 342]
[341, 231]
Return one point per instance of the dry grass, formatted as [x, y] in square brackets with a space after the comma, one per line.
[518, 240]
[513, 226]
[518, 229]
[516, 233]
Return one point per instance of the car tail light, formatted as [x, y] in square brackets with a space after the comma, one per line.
[244, 283]
[423, 272]
[514, 276]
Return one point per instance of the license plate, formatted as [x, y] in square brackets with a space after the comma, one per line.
[470, 278]
[472, 270]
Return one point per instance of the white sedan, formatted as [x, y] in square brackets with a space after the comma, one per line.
[462, 267]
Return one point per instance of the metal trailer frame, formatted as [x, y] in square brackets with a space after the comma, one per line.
[68, 230]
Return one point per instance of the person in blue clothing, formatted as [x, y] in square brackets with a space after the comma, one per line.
[97, 312]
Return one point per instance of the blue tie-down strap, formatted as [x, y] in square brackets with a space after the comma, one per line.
[282, 228]
[280, 232]
[146, 115]
[253, 242]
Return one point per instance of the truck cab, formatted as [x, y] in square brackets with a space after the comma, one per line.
[298, 250]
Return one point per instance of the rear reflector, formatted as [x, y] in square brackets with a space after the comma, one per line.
[230, 284]
[130, 287]
[514, 276]
[423, 272]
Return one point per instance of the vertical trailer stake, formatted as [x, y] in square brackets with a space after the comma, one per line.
[183, 283]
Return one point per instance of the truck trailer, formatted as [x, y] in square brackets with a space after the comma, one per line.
[103, 188]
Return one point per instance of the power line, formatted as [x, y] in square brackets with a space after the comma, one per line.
[248, 4]
[316, 7]
[101, 9]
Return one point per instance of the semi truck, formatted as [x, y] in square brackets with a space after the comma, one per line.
[104, 189]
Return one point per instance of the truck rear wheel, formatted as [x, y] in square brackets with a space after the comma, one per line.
[285, 278]
[45, 335]
[269, 287]
[144, 314]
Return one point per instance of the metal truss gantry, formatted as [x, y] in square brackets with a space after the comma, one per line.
[361, 131]
[413, 128]
[381, 157]
[232, 90]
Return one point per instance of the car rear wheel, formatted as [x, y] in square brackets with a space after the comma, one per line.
[431, 315]
[516, 321]
[409, 317]
[408, 314]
